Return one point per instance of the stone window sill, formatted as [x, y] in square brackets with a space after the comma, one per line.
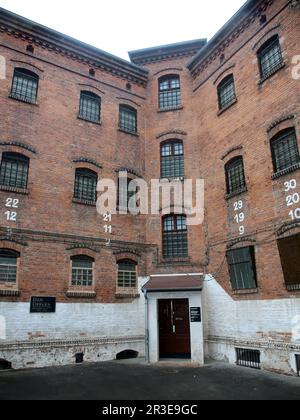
[286, 171]
[176, 108]
[131, 133]
[9, 292]
[84, 202]
[221, 111]
[82, 118]
[15, 190]
[78, 294]
[274, 71]
[293, 287]
[236, 193]
[245, 292]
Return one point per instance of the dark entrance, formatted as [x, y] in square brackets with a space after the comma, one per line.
[298, 363]
[174, 329]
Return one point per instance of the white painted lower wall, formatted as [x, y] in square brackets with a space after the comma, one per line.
[271, 326]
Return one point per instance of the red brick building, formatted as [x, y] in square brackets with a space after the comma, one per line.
[226, 111]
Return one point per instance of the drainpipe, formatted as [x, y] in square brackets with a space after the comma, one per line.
[147, 350]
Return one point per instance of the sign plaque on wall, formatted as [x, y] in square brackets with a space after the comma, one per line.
[195, 314]
[42, 305]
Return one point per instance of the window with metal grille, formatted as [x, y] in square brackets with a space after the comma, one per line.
[128, 119]
[90, 107]
[270, 57]
[242, 268]
[172, 160]
[82, 270]
[289, 251]
[285, 151]
[226, 92]
[175, 236]
[235, 175]
[169, 92]
[24, 85]
[127, 277]
[14, 170]
[124, 194]
[248, 358]
[8, 265]
[85, 185]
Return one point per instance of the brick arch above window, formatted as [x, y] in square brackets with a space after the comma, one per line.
[224, 73]
[13, 245]
[29, 66]
[82, 249]
[91, 88]
[276, 30]
[166, 72]
[232, 152]
[88, 163]
[18, 147]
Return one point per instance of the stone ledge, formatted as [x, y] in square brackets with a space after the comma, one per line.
[263, 344]
[14, 189]
[81, 294]
[120, 295]
[7, 292]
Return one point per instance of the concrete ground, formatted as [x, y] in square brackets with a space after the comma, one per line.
[137, 381]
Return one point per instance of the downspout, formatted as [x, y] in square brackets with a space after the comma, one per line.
[147, 350]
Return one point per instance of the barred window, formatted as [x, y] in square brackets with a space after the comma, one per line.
[175, 236]
[285, 151]
[124, 195]
[82, 270]
[8, 265]
[172, 160]
[127, 274]
[169, 92]
[85, 185]
[226, 92]
[270, 57]
[14, 170]
[242, 268]
[235, 175]
[24, 85]
[289, 250]
[90, 107]
[128, 119]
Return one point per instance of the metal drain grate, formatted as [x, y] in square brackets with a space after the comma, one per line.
[248, 358]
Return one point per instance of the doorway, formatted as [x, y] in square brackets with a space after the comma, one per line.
[174, 329]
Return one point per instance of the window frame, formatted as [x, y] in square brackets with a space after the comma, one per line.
[128, 110]
[263, 50]
[75, 282]
[169, 237]
[23, 164]
[10, 254]
[181, 161]
[230, 165]
[225, 83]
[287, 260]
[235, 282]
[132, 281]
[81, 173]
[175, 104]
[29, 76]
[85, 95]
[291, 135]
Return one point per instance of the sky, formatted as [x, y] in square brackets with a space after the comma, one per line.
[119, 26]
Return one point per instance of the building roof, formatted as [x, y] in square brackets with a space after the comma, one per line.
[60, 43]
[179, 282]
[166, 52]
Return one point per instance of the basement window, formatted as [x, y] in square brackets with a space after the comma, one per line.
[248, 358]
[289, 250]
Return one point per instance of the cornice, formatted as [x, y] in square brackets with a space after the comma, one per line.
[66, 46]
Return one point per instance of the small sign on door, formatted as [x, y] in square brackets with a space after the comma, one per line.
[195, 314]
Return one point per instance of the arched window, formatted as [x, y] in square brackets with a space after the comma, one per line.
[169, 92]
[270, 57]
[82, 270]
[127, 274]
[85, 185]
[172, 159]
[90, 107]
[8, 265]
[24, 85]
[128, 119]
[226, 92]
[235, 175]
[175, 237]
[285, 151]
[14, 170]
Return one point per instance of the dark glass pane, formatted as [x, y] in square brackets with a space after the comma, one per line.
[90, 107]
[175, 238]
[14, 170]
[128, 119]
[285, 151]
[85, 185]
[226, 92]
[270, 57]
[82, 271]
[172, 160]
[169, 95]
[242, 269]
[235, 176]
[24, 86]
[127, 276]
[8, 266]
